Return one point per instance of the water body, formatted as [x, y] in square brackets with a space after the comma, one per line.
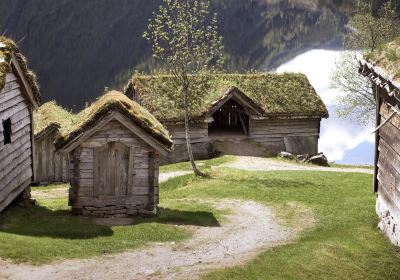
[343, 141]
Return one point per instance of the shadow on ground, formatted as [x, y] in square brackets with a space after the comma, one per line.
[39, 221]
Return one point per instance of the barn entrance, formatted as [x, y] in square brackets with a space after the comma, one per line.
[229, 119]
[111, 170]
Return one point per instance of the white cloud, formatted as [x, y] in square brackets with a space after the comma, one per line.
[337, 135]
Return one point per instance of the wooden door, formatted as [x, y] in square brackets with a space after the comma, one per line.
[112, 164]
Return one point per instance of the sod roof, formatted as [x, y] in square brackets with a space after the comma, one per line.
[114, 101]
[287, 94]
[386, 58]
[52, 115]
[7, 49]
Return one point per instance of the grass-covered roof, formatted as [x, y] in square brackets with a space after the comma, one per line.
[7, 49]
[387, 58]
[114, 101]
[287, 94]
[50, 114]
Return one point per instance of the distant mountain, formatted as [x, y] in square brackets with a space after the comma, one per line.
[78, 48]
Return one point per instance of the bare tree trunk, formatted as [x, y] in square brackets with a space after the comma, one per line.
[187, 132]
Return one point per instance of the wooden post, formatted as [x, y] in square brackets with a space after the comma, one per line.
[243, 124]
[151, 180]
[378, 120]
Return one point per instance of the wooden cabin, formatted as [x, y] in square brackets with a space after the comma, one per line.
[279, 112]
[50, 165]
[383, 69]
[19, 97]
[114, 151]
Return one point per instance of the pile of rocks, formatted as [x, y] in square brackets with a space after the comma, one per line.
[319, 159]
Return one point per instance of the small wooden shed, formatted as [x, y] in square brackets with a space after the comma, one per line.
[50, 165]
[114, 153]
[383, 69]
[19, 97]
[278, 112]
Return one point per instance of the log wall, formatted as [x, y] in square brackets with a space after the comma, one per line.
[16, 164]
[142, 167]
[51, 166]
[298, 136]
[387, 173]
[201, 145]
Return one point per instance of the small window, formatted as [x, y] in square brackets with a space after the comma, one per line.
[7, 131]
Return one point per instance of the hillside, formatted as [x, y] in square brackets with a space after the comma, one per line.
[77, 48]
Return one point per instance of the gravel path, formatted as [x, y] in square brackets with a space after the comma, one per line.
[266, 164]
[249, 229]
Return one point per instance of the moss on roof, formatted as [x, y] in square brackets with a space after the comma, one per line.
[115, 101]
[50, 114]
[387, 57]
[288, 94]
[7, 49]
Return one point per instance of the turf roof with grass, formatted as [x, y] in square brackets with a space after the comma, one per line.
[115, 101]
[387, 58]
[7, 49]
[287, 94]
[52, 115]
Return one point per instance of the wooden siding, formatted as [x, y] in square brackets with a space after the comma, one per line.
[51, 166]
[201, 145]
[296, 136]
[84, 166]
[16, 164]
[387, 173]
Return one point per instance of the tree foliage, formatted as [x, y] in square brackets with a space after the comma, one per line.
[369, 29]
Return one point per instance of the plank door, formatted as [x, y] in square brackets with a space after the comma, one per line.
[112, 164]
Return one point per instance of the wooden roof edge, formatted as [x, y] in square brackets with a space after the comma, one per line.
[75, 140]
[53, 126]
[379, 77]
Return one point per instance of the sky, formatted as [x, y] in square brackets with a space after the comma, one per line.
[342, 141]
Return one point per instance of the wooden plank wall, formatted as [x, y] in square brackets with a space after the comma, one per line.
[388, 173]
[51, 166]
[272, 133]
[82, 168]
[15, 158]
[201, 145]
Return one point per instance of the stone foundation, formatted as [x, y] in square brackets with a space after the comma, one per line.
[114, 211]
[389, 220]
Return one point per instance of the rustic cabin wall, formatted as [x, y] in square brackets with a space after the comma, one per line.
[16, 154]
[388, 172]
[298, 136]
[201, 145]
[133, 159]
[51, 166]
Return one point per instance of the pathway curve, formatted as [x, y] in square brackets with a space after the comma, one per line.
[250, 228]
[267, 164]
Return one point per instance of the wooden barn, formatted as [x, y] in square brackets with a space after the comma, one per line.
[19, 97]
[383, 69]
[114, 153]
[50, 165]
[279, 112]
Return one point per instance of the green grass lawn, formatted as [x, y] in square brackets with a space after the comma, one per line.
[344, 242]
[204, 165]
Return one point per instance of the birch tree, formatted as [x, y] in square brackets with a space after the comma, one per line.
[369, 30]
[184, 36]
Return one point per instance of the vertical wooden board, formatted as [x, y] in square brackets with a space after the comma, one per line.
[122, 153]
[96, 174]
[130, 170]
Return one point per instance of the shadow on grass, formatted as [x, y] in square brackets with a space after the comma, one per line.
[181, 217]
[38, 221]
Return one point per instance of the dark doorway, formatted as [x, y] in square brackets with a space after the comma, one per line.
[230, 118]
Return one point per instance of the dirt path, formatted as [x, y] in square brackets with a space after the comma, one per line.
[266, 164]
[249, 229]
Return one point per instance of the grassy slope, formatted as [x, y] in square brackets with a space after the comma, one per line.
[344, 244]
